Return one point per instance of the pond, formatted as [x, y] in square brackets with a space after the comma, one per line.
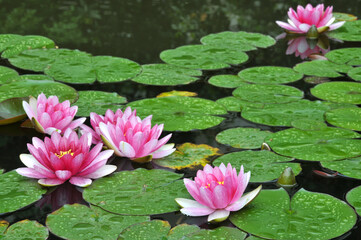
[246, 87]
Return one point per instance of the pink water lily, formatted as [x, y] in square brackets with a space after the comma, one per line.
[300, 47]
[48, 115]
[302, 20]
[217, 192]
[129, 136]
[68, 157]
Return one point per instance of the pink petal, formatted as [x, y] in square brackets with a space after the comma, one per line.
[63, 174]
[220, 197]
[80, 181]
[244, 200]
[30, 173]
[49, 182]
[164, 151]
[287, 26]
[206, 196]
[336, 25]
[218, 216]
[304, 27]
[101, 172]
[28, 110]
[126, 149]
[76, 123]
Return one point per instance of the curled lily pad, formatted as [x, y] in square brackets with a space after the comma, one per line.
[350, 31]
[269, 75]
[226, 81]
[11, 110]
[348, 167]
[345, 117]
[353, 197]
[248, 138]
[203, 57]
[138, 192]
[313, 216]
[25, 230]
[355, 73]
[17, 192]
[235, 104]
[8, 75]
[188, 155]
[79, 222]
[264, 165]
[339, 92]
[344, 16]
[349, 56]
[322, 68]
[177, 93]
[180, 113]
[166, 75]
[318, 145]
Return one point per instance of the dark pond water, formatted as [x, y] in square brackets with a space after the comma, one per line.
[139, 30]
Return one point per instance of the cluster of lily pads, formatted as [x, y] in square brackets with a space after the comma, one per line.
[123, 204]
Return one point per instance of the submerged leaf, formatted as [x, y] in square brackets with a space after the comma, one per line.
[11, 110]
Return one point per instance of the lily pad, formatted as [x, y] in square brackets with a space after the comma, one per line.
[226, 81]
[264, 165]
[349, 56]
[269, 75]
[3, 226]
[156, 229]
[36, 77]
[353, 197]
[220, 233]
[248, 138]
[182, 230]
[339, 92]
[11, 110]
[344, 16]
[138, 192]
[203, 57]
[355, 73]
[188, 155]
[322, 145]
[234, 104]
[98, 102]
[308, 124]
[166, 75]
[17, 192]
[243, 41]
[348, 167]
[267, 93]
[177, 93]
[28, 88]
[25, 230]
[180, 113]
[349, 118]
[80, 222]
[313, 216]
[8, 75]
[350, 31]
[322, 68]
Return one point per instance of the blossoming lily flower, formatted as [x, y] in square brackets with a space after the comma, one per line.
[217, 192]
[302, 20]
[68, 157]
[131, 137]
[48, 115]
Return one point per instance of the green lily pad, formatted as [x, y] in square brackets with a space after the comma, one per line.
[264, 165]
[156, 229]
[17, 191]
[220, 233]
[98, 102]
[182, 230]
[355, 73]
[3, 226]
[234, 104]
[308, 124]
[248, 138]
[349, 56]
[349, 118]
[350, 31]
[11, 110]
[138, 192]
[322, 68]
[166, 75]
[243, 41]
[313, 216]
[8, 75]
[348, 167]
[174, 93]
[36, 77]
[80, 222]
[203, 57]
[284, 114]
[25, 230]
[28, 88]
[339, 92]
[6, 39]
[226, 81]
[322, 145]
[267, 93]
[269, 75]
[353, 197]
[344, 16]
[180, 113]
[188, 155]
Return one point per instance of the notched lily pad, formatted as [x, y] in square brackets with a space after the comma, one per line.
[25, 230]
[177, 93]
[322, 68]
[269, 75]
[188, 155]
[11, 110]
[350, 31]
[349, 118]
[339, 92]
[353, 197]
[348, 167]
[349, 56]
[226, 81]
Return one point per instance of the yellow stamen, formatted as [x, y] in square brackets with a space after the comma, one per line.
[62, 153]
[219, 183]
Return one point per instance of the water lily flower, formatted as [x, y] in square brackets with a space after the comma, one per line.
[217, 192]
[48, 115]
[301, 48]
[68, 157]
[303, 20]
[129, 136]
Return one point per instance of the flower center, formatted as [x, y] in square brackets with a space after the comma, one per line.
[62, 153]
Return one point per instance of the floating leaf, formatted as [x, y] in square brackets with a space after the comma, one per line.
[80, 222]
[313, 216]
[182, 230]
[322, 68]
[344, 16]
[177, 93]
[11, 110]
[349, 118]
[350, 31]
[8, 75]
[220, 233]
[188, 155]
[25, 230]
[166, 75]
[226, 81]
[138, 192]
[98, 102]
[321, 145]
[3, 225]
[339, 92]
[248, 138]
[355, 73]
[267, 93]
[36, 77]
[348, 167]
[180, 113]
[264, 165]
[308, 124]
[157, 229]
[203, 57]
[17, 191]
[353, 197]
[243, 41]
[349, 56]
[235, 104]
[269, 75]
[6, 39]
